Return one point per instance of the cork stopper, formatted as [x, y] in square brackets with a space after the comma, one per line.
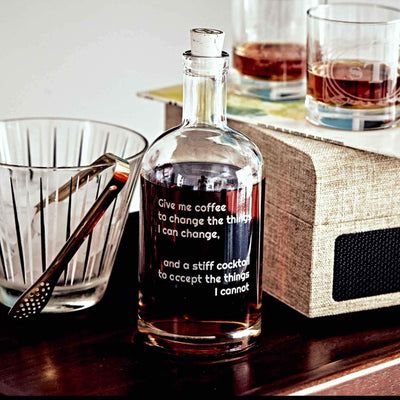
[206, 42]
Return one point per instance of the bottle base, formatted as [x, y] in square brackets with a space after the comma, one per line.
[212, 345]
[267, 90]
[351, 119]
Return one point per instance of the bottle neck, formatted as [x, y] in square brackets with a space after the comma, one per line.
[204, 90]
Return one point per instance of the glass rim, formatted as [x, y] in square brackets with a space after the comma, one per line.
[383, 7]
[74, 167]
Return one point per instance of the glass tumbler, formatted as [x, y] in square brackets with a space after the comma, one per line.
[269, 54]
[38, 157]
[353, 66]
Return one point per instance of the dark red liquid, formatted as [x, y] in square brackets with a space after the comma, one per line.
[194, 309]
[271, 61]
[353, 84]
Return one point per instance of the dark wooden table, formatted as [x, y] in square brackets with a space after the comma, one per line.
[96, 351]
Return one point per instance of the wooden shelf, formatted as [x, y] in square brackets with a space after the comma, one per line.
[97, 351]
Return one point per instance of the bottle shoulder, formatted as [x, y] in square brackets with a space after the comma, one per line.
[203, 144]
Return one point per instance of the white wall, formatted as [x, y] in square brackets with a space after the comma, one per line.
[88, 58]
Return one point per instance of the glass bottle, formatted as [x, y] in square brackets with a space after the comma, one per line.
[201, 220]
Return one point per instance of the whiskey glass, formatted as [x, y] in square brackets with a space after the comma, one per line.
[269, 49]
[39, 158]
[353, 54]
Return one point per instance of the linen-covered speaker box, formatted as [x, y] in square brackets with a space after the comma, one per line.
[332, 224]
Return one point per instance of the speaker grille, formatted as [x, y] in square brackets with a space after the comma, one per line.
[366, 264]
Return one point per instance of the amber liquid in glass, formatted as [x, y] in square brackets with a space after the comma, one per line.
[194, 280]
[353, 84]
[271, 61]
